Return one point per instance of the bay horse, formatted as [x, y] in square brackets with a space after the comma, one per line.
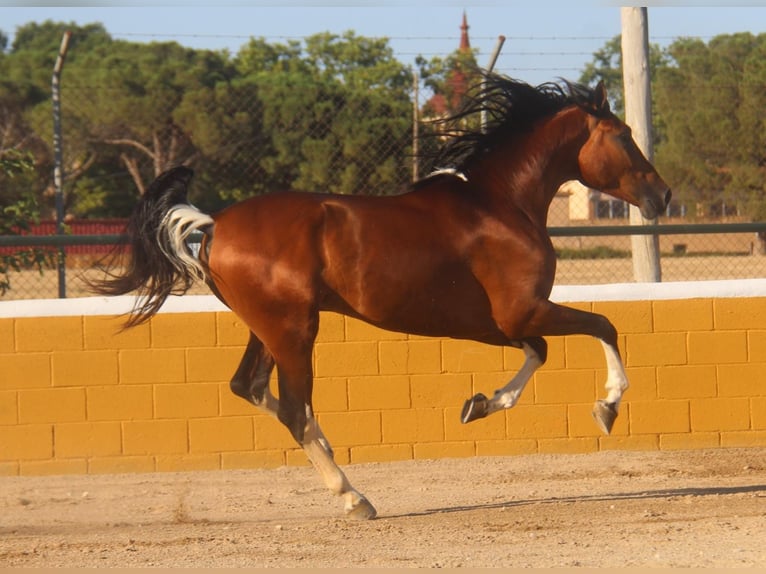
[463, 253]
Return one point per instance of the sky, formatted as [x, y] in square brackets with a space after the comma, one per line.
[545, 39]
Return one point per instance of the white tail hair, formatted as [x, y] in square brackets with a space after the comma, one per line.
[172, 236]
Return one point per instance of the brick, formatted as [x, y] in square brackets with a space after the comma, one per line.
[121, 465]
[212, 364]
[556, 355]
[659, 416]
[536, 421]
[567, 445]
[627, 316]
[412, 426]
[645, 442]
[381, 453]
[739, 313]
[187, 462]
[7, 344]
[379, 392]
[506, 447]
[180, 401]
[9, 468]
[231, 331]
[48, 334]
[299, 458]
[460, 356]
[119, 403]
[642, 380]
[756, 346]
[581, 424]
[687, 441]
[53, 467]
[8, 408]
[78, 440]
[743, 439]
[221, 434]
[360, 331]
[489, 428]
[148, 366]
[25, 371]
[76, 369]
[552, 387]
[109, 333]
[683, 315]
[233, 405]
[183, 330]
[488, 383]
[332, 328]
[758, 413]
[437, 450]
[440, 390]
[330, 394]
[154, 437]
[718, 347]
[272, 434]
[686, 381]
[745, 380]
[51, 405]
[721, 414]
[655, 349]
[346, 359]
[260, 459]
[26, 442]
[410, 357]
[351, 428]
[583, 352]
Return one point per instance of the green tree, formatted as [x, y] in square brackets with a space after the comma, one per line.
[710, 101]
[16, 215]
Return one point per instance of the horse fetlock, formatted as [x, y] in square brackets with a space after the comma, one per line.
[358, 507]
[477, 407]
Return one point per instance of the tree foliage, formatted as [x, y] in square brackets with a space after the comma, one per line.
[271, 117]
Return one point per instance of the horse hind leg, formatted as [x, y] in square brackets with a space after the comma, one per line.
[479, 406]
[251, 380]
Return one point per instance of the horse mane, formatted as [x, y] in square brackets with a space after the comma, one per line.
[510, 107]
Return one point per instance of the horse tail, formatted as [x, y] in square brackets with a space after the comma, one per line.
[159, 261]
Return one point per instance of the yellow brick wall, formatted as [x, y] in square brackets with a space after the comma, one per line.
[78, 396]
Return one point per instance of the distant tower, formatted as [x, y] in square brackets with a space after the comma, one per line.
[465, 43]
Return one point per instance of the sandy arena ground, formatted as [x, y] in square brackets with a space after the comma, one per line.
[610, 509]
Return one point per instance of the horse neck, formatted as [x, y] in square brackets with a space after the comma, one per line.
[527, 172]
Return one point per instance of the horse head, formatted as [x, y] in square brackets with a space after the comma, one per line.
[611, 161]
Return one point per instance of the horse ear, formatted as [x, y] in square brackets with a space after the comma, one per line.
[600, 101]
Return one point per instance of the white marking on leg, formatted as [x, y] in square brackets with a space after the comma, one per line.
[317, 448]
[509, 395]
[616, 380]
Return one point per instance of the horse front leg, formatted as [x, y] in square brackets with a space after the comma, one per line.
[553, 319]
[479, 406]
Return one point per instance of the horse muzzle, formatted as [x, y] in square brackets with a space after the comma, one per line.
[654, 205]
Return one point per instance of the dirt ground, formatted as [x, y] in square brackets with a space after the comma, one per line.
[608, 509]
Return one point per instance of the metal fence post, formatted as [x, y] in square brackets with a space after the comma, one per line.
[58, 169]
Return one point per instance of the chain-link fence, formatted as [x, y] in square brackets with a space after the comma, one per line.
[281, 131]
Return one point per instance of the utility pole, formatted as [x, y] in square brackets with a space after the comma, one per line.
[638, 115]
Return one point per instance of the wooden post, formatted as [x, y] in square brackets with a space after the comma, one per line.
[638, 115]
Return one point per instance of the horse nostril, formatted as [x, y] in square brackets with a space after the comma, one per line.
[668, 195]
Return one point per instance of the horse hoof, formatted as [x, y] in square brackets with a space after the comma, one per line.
[474, 408]
[363, 510]
[604, 414]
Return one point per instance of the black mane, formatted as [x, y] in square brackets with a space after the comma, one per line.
[511, 107]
